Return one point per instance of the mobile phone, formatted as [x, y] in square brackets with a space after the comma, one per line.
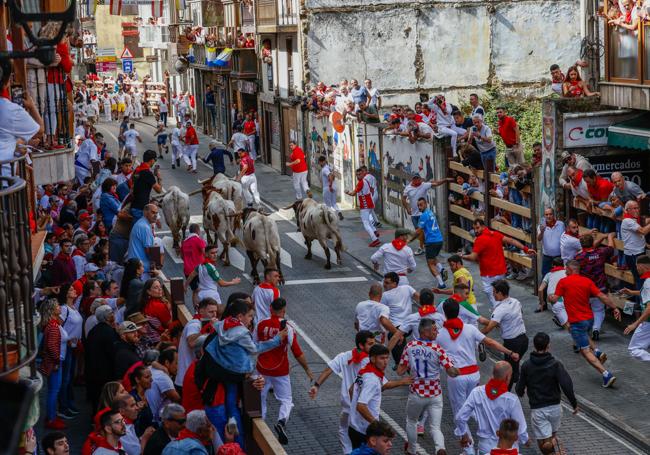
[283, 324]
[17, 95]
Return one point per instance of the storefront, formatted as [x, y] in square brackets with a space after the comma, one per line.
[270, 134]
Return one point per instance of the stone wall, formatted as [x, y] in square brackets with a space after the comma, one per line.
[409, 47]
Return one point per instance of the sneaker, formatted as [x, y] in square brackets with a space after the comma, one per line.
[73, 411]
[378, 225]
[173, 167]
[56, 424]
[482, 355]
[595, 335]
[341, 216]
[442, 286]
[65, 414]
[178, 162]
[511, 276]
[282, 434]
[556, 321]
[419, 252]
[445, 274]
[602, 357]
[420, 430]
[374, 243]
[608, 379]
[575, 349]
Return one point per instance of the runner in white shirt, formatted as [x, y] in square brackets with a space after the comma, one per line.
[374, 191]
[570, 241]
[209, 279]
[265, 293]
[372, 315]
[365, 402]
[412, 192]
[176, 146]
[399, 299]
[640, 341]
[549, 283]
[106, 103]
[397, 256]
[130, 138]
[424, 358]
[489, 405]
[329, 186]
[460, 342]
[426, 311]
[346, 365]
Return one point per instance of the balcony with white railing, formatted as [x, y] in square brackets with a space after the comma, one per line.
[154, 36]
[288, 13]
[276, 15]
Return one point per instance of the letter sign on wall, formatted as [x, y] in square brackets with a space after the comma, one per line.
[589, 130]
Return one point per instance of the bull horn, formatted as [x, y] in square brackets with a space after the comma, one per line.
[199, 191]
[203, 182]
[289, 208]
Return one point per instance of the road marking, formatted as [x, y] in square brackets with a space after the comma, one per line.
[352, 279]
[237, 259]
[197, 219]
[168, 243]
[363, 269]
[316, 249]
[398, 429]
[285, 258]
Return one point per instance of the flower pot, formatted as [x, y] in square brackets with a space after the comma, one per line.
[10, 362]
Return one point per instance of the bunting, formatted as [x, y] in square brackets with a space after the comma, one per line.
[157, 8]
[116, 7]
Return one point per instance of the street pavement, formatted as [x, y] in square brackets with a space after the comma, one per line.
[322, 312]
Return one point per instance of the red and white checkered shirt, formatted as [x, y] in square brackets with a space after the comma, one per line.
[424, 359]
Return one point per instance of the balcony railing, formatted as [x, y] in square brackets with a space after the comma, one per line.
[274, 13]
[154, 36]
[628, 53]
[288, 12]
[17, 334]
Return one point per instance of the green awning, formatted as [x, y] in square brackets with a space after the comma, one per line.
[632, 134]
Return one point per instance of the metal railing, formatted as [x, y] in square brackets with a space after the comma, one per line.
[17, 334]
[47, 88]
[288, 12]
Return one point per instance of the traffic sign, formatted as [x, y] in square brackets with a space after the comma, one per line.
[127, 66]
[126, 53]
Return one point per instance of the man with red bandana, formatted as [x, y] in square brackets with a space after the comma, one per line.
[265, 293]
[490, 404]
[366, 206]
[274, 364]
[397, 256]
[110, 427]
[460, 341]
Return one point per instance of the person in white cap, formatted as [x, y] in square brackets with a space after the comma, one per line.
[85, 156]
[397, 256]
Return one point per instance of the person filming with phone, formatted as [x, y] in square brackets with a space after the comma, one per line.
[20, 122]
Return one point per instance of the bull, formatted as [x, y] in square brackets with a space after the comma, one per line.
[262, 241]
[175, 206]
[219, 216]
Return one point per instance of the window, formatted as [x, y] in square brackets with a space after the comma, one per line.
[627, 55]
[289, 51]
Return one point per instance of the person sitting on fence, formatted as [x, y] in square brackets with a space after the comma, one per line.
[599, 190]
[445, 121]
[571, 159]
[470, 157]
[419, 130]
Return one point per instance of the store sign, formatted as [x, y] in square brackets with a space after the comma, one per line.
[106, 67]
[630, 165]
[590, 129]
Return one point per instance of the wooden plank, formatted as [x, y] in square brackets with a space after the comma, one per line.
[624, 275]
[459, 189]
[465, 213]
[510, 206]
[456, 166]
[618, 243]
[511, 231]
[462, 233]
[580, 205]
[494, 178]
[265, 438]
[526, 261]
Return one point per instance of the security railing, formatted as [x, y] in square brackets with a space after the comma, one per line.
[17, 334]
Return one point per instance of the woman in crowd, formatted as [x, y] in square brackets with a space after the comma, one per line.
[109, 202]
[154, 306]
[73, 325]
[131, 287]
[574, 86]
[53, 352]
[110, 392]
[141, 380]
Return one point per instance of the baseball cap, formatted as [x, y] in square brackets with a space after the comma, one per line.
[85, 216]
[90, 267]
[402, 231]
[137, 318]
[127, 327]
[565, 155]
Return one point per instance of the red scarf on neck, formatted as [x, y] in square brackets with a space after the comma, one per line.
[78, 252]
[557, 269]
[398, 244]
[426, 310]
[456, 297]
[114, 194]
[454, 327]
[142, 167]
[231, 322]
[415, 185]
[498, 451]
[187, 434]
[628, 216]
[357, 356]
[495, 388]
[645, 276]
[370, 368]
[567, 232]
[207, 260]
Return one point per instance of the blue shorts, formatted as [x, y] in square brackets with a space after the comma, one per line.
[580, 332]
[162, 139]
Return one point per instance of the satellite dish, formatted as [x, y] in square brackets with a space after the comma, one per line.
[181, 65]
[336, 119]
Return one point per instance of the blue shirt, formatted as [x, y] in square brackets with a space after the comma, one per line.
[429, 224]
[141, 237]
[359, 94]
[217, 157]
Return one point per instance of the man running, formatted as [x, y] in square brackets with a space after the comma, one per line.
[298, 165]
[209, 278]
[577, 290]
[247, 178]
[366, 205]
[374, 190]
[346, 365]
[460, 276]
[329, 186]
[397, 256]
[191, 148]
[488, 251]
[640, 341]
[373, 316]
[130, 144]
[265, 293]
[399, 300]
[429, 229]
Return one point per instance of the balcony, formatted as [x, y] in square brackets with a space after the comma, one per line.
[276, 15]
[17, 332]
[154, 36]
[201, 55]
[244, 64]
[238, 20]
[627, 67]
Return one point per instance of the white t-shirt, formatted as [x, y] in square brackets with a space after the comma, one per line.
[633, 242]
[240, 141]
[507, 313]
[423, 128]
[412, 322]
[263, 295]
[130, 137]
[324, 175]
[367, 390]
[398, 300]
[462, 350]
[348, 372]
[552, 279]
[207, 286]
[160, 383]
[414, 193]
[373, 94]
[569, 247]
[368, 313]
[185, 352]
[465, 315]
[72, 322]
[162, 107]
[120, 97]
[176, 136]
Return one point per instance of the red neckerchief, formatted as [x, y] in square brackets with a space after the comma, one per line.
[425, 310]
[128, 421]
[187, 434]
[78, 252]
[267, 285]
[457, 298]
[498, 451]
[95, 441]
[567, 232]
[207, 260]
[197, 316]
[63, 255]
[577, 179]
[628, 16]
[399, 244]
[454, 327]
[370, 368]
[357, 356]
[495, 388]
[231, 322]
[557, 269]
[142, 167]
[628, 216]
[645, 276]
[415, 185]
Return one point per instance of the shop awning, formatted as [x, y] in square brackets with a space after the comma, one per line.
[632, 134]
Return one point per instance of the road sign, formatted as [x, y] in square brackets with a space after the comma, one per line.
[127, 66]
[126, 53]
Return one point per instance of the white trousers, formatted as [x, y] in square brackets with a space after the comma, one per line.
[251, 146]
[300, 185]
[131, 150]
[344, 423]
[487, 281]
[329, 199]
[281, 386]
[417, 406]
[373, 215]
[367, 224]
[459, 389]
[137, 107]
[452, 131]
[560, 312]
[107, 113]
[598, 308]
[189, 155]
[640, 342]
[176, 153]
[249, 182]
